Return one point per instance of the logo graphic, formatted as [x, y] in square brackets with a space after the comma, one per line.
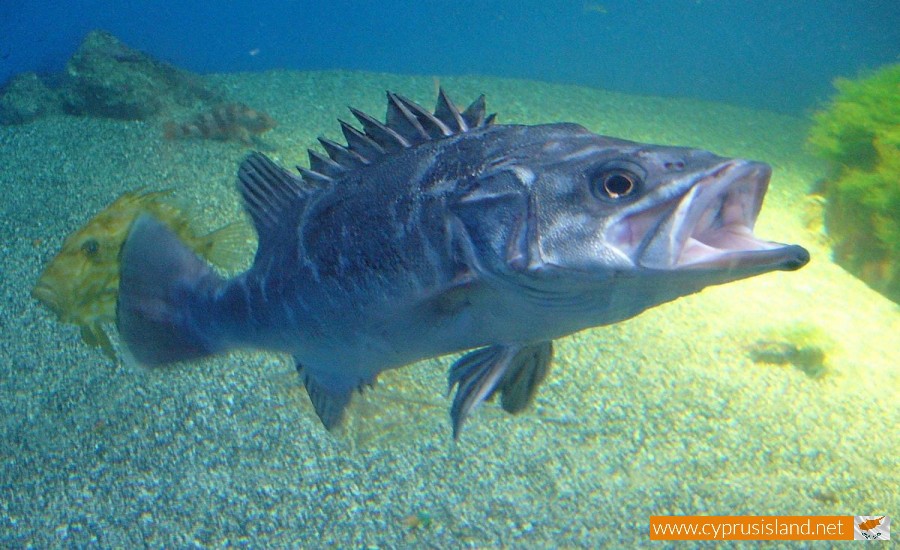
[871, 528]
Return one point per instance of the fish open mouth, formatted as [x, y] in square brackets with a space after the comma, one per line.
[47, 296]
[711, 225]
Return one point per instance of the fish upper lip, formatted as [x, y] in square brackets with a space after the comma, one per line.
[44, 293]
[48, 296]
[710, 226]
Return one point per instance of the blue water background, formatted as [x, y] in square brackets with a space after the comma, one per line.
[761, 53]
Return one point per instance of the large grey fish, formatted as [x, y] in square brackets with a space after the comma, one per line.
[433, 233]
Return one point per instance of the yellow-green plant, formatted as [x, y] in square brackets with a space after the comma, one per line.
[862, 111]
[860, 133]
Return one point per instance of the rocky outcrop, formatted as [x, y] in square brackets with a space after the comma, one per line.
[27, 98]
[106, 78]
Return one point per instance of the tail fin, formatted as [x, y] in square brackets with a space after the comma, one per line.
[165, 297]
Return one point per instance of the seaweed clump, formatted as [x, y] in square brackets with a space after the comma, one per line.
[860, 133]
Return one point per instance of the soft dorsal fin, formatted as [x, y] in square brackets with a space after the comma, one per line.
[272, 196]
[406, 125]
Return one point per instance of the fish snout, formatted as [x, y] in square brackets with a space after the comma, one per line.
[48, 296]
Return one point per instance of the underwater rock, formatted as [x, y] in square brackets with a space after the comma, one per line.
[27, 98]
[106, 78]
[109, 79]
[860, 134]
[810, 360]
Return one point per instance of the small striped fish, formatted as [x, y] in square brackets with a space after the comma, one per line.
[224, 122]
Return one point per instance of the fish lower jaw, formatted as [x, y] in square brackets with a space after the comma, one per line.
[771, 257]
[722, 247]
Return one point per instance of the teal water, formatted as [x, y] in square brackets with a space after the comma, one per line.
[764, 54]
[667, 413]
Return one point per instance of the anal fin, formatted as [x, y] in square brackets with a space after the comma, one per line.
[328, 401]
[515, 370]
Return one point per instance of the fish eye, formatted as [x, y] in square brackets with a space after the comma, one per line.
[615, 182]
[618, 184]
[90, 247]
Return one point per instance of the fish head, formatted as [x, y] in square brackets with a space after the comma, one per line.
[657, 222]
[80, 283]
[256, 122]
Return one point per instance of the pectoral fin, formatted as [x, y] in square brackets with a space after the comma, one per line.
[516, 370]
[519, 385]
[94, 335]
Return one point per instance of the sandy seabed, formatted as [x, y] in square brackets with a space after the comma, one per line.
[664, 414]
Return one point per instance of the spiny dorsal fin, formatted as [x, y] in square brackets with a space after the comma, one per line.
[389, 139]
[324, 165]
[474, 115]
[430, 123]
[360, 143]
[406, 125]
[401, 119]
[314, 177]
[447, 112]
[342, 155]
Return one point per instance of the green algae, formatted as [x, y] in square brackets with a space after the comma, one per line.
[860, 134]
